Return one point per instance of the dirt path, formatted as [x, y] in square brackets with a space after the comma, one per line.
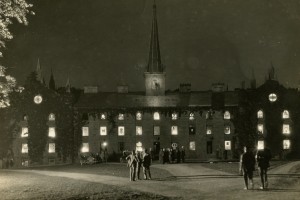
[194, 181]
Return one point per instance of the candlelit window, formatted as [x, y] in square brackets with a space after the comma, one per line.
[286, 144]
[260, 114]
[85, 131]
[192, 145]
[174, 130]
[285, 114]
[121, 130]
[51, 147]
[24, 148]
[226, 115]
[51, 132]
[85, 148]
[156, 116]
[24, 132]
[138, 116]
[139, 130]
[103, 130]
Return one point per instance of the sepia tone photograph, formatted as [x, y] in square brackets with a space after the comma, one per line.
[149, 99]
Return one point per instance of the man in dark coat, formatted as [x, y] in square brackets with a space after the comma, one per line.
[132, 164]
[139, 164]
[263, 159]
[248, 166]
[183, 154]
[146, 165]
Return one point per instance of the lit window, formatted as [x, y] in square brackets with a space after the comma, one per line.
[138, 116]
[260, 144]
[227, 145]
[51, 117]
[121, 130]
[85, 148]
[191, 116]
[51, 132]
[139, 130]
[285, 114]
[227, 115]
[286, 129]
[85, 131]
[156, 116]
[227, 130]
[260, 114]
[24, 132]
[156, 130]
[25, 118]
[192, 130]
[24, 148]
[121, 116]
[208, 130]
[103, 130]
[174, 130]
[260, 128]
[286, 144]
[192, 145]
[51, 147]
[139, 146]
[103, 117]
[174, 116]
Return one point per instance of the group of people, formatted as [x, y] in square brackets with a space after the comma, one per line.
[137, 160]
[248, 161]
[172, 155]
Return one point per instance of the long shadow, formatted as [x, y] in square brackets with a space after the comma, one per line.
[278, 190]
[213, 176]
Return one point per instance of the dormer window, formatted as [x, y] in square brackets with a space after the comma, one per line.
[260, 114]
[285, 114]
[227, 115]
[25, 118]
[138, 116]
[156, 116]
[102, 116]
[174, 116]
[51, 117]
[121, 116]
[192, 116]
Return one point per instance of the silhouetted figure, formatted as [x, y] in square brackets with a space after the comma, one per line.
[248, 166]
[139, 164]
[263, 159]
[132, 164]
[178, 154]
[146, 165]
[182, 154]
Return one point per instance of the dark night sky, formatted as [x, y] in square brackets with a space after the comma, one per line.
[106, 42]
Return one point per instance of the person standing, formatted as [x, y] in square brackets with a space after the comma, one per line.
[263, 159]
[248, 166]
[146, 165]
[132, 164]
[139, 164]
[182, 154]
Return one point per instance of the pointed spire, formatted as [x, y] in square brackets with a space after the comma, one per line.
[272, 72]
[253, 80]
[51, 81]
[68, 86]
[39, 71]
[154, 62]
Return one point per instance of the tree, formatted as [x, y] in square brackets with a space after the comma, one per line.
[10, 10]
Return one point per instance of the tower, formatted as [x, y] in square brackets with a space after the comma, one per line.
[39, 73]
[253, 81]
[155, 74]
[51, 81]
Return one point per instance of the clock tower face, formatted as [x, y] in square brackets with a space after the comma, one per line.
[155, 85]
[272, 97]
[38, 99]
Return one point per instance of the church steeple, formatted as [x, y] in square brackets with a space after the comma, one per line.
[155, 83]
[253, 81]
[39, 73]
[154, 62]
[51, 81]
[272, 72]
[68, 86]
